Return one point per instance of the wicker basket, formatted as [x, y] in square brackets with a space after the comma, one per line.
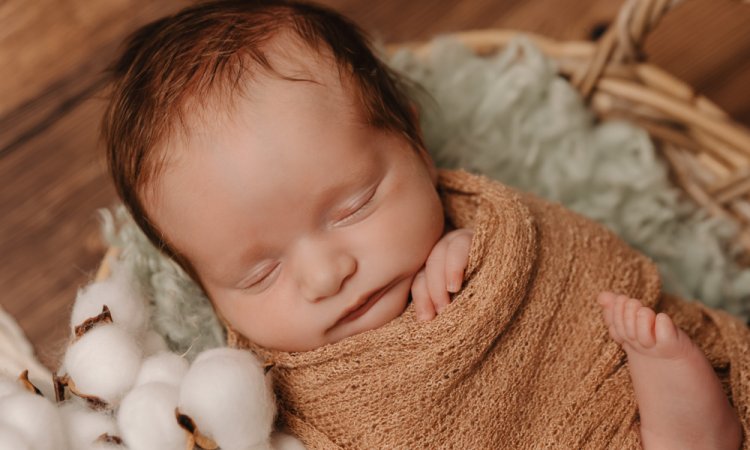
[708, 153]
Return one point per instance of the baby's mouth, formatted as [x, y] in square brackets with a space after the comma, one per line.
[363, 305]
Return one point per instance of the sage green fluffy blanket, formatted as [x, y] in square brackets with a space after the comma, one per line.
[510, 117]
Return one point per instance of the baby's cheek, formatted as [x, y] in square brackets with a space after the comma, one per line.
[433, 223]
[426, 229]
[251, 317]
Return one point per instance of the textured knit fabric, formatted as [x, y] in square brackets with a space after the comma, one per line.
[520, 359]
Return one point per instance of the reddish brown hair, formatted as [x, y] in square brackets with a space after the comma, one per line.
[209, 49]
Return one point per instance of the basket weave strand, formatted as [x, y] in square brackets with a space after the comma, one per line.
[623, 41]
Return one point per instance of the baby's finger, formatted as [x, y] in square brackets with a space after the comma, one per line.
[645, 327]
[421, 297]
[619, 314]
[435, 271]
[457, 258]
[607, 300]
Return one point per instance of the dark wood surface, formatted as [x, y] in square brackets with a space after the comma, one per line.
[51, 162]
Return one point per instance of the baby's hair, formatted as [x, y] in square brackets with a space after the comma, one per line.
[205, 52]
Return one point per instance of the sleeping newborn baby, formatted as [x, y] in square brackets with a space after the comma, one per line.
[266, 149]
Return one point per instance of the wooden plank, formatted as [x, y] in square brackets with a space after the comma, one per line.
[732, 90]
[57, 56]
[52, 171]
[50, 239]
[568, 20]
[707, 45]
[43, 40]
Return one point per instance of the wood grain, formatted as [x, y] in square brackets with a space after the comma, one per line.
[52, 53]
[51, 165]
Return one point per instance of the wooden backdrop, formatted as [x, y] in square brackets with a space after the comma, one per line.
[51, 165]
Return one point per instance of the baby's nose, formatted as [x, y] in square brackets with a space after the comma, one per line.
[323, 269]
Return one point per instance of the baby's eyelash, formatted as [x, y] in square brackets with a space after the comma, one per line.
[354, 213]
[259, 283]
[363, 205]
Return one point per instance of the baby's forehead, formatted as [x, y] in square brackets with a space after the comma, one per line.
[291, 61]
[290, 56]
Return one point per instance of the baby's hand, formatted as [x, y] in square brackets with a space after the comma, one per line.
[443, 273]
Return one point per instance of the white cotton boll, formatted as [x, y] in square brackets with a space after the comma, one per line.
[13, 439]
[164, 367]
[103, 446]
[153, 343]
[229, 397]
[85, 425]
[9, 386]
[147, 421]
[126, 305]
[104, 362]
[35, 418]
[284, 441]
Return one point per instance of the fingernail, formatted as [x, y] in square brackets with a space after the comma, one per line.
[453, 286]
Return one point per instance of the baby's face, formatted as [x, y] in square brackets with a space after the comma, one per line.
[304, 225]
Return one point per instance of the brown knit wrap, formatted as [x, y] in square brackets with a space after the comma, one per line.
[520, 359]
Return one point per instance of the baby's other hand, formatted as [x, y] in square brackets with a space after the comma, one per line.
[442, 274]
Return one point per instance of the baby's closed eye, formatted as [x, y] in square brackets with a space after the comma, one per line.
[261, 279]
[360, 207]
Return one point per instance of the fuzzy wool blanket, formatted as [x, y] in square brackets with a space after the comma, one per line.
[520, 359]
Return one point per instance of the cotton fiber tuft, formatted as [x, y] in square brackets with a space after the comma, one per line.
[35, 418]
[283, 441]
[164, 367]
[147, 418]
[11, 438]
[84, 425]
[118, 292]
[104, 362]
[229, 397]
[9, 386]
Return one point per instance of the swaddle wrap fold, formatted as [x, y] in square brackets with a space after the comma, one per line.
[520, 359]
